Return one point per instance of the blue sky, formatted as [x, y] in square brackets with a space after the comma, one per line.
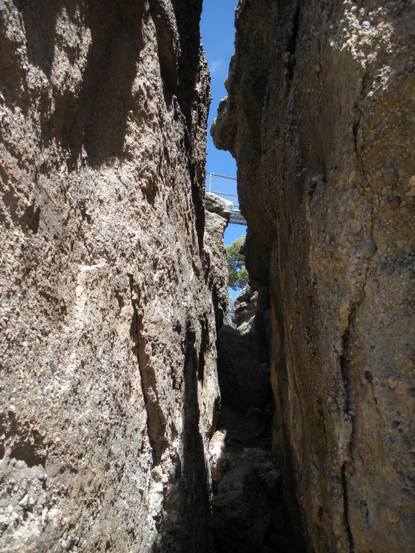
[218, 33]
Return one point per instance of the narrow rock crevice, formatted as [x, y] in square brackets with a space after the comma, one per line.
[346, 508]
[292, 41]
[249, 511]
[135, 413]
[345, 363]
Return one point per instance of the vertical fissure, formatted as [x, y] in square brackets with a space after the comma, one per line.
[345, 368]
[156, 421]
[292, 42]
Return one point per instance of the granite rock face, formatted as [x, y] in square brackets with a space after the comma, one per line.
[320, 118]
[108, 390]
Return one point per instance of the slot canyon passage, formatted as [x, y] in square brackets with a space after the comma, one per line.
[139, 412]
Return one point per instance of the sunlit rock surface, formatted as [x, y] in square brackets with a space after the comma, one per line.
[108, 389]
[320, 118]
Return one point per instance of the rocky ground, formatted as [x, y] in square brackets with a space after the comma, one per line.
[134, 415]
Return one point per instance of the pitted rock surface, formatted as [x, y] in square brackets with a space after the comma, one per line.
[320, 120]
[108, 391]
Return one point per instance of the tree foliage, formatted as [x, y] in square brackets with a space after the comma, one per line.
[238, 275]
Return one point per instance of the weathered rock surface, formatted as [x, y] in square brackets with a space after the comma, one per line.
[108, 341]
[241, 511]
[216, 263]
[245, 307]
[320, 118]
[248, 510]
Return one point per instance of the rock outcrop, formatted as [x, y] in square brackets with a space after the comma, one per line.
[320, 118]
[216, 221]
[108, 392]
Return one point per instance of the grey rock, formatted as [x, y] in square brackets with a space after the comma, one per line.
[245, 307]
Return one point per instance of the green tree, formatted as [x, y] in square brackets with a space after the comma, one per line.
[238, 275]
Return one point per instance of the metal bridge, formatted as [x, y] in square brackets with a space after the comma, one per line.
[213, 186]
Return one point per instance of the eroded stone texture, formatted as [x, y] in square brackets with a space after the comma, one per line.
[320, 118]
[108, 357]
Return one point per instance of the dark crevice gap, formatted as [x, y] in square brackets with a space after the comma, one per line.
[345, 362]
[345, 368]
[249, 510]
[346, 508]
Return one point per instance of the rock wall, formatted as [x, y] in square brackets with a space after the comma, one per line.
[108, 390]
[320, 118]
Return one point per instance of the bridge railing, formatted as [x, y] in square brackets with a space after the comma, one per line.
[223, 186]
[216, 183]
